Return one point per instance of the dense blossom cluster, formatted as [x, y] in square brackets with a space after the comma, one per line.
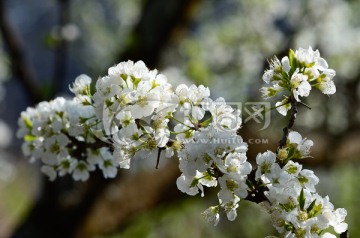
[60, 133]
[295, 208]
[135, 113]
[297, 74]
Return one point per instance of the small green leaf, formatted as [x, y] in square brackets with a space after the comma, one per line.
[66, 164]
[27, 122]
[86, 103]
[291, 55]
[124, 76]
[108, 103]
[291, 151]
[310, 65]
[283, 84]
[284, 74]
[277, 77]
[301, 199]
[315, 210]
[311, 206]
[210, 172]
[293, 62]
[288, 226]
[292, 59]
[250, 184]
[135, 81]
[83, 120]
[194, 182]
[29, 138]
[60, 114]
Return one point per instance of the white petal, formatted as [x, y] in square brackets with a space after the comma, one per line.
[341, 227]
[294, 137]
[282, 109]
[327, 87]
[285, 64]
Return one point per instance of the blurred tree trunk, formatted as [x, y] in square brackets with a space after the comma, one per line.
[158, 23]
[125, 198]
[21, 68]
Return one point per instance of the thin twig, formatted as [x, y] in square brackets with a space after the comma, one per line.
[257, 190]
[20, 66]
[344, 234]
[290, 125]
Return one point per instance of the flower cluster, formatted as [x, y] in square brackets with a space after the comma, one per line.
[62, 134]
[143, 116]
[295, 208]
[297, 74]
[296, 147]
[134, 105]
[215, 157]
[136, 113]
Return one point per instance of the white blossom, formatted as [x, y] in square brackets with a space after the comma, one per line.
[303, 146]
[212, 215]
[135, 113]
[300, 85]
[81, 85]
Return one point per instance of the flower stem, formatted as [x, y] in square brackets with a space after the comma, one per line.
[290, 125]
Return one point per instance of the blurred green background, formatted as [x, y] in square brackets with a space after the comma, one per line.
[223, 44]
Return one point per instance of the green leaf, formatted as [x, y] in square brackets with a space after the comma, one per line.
[292, 59]
[311, 206]
[285, 76]
[207, 176]
[27, 122]
[293, 62]
[29, 138]
[108, 103]
[211, 173]
[291, 151]
[83, 120]
[283, 84]
[194, 182]
[124, 76]
[288, 226]
[135, 81]
[60, 114]
[301, 199]
[250, 184]
[315, 210]
[277, 77]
